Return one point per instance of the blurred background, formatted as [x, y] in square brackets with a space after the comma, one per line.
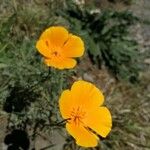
[117, 59]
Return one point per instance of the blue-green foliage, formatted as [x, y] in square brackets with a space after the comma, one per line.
[107, 38]
[29, 89]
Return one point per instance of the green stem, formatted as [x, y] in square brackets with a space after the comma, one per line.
[58, 123]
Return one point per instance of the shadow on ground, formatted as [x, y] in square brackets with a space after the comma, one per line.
[17, 140]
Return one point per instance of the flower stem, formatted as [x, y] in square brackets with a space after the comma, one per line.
[58, 123]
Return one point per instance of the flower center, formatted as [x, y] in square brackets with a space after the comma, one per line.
[54, 50]
[55, 53]
[77, 115]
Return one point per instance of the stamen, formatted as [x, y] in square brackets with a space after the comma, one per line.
[55, 53]
[77, 115]
[47, 44]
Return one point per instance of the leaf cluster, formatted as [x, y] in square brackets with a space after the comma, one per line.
[107, 38]
[127, 2]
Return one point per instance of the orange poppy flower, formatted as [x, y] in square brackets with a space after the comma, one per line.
[86, 118]
[60, 47]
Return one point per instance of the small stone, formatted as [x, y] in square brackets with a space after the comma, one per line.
[147, 61]
[88, 77]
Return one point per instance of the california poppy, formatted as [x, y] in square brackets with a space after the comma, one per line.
[81, 106]
[59, 47]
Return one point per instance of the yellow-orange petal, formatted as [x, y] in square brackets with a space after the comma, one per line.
[57, 35]
[82, 136]
[43, 49]
[86, 94]
[64, 104]
[74, 47]
[99, 120]
[61, 63]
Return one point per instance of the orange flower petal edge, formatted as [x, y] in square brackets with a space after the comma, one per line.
[86, 117]
[59, 47]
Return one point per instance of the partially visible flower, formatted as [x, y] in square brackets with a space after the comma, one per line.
[60, 47]
[86, 119]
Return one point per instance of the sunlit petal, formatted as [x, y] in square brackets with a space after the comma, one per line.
[99, 120]
[74, 47]
[85, 93]
[57, 35]
[65, 104]
[43, 48]
[83, 136]
[61, 63]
